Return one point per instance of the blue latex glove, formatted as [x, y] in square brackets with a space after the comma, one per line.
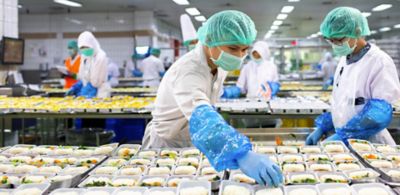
[88, 91]
[74, 90]
[162, 74]
[231, 92]
[275, 87]
[323, 124]
[219, 141]
[109, 77]
[137, 73]
[261, 168]
[373, 118]
[334, 137]
[328, 83]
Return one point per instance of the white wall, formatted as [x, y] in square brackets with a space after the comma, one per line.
[118, 49]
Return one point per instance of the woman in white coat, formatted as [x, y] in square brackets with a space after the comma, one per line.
[259, 71]
[365, 83]
[93, 72]
[183, 114]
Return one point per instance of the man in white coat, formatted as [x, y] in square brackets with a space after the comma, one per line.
[152, 68]
[365, 83]
[193, 84]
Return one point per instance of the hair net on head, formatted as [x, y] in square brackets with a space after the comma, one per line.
[87, 39]
[73, 45]
[227, 28]
[155, 51]
[345, 22]
[262, 48]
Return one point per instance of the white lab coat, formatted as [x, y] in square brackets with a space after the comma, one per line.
[151, 68]
[186, 85]
[374, 76]
[253, 75]
[113, 73]
[94, 69]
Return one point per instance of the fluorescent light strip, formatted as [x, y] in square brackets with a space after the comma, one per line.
[293, 0]
[181, 2]
[396, 26]
[19, 6]
[193, 11]
[274, 27]
[287, 9]
[200, 18]
[373, 32]
[277, 23]
[366, 14]
[68, 3]
[281, 16]
[381, 7]
[384, 29]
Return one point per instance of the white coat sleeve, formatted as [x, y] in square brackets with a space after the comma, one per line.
[189, 91]
[242, 80]
[385, 82]
[99, 71]
[160, 66]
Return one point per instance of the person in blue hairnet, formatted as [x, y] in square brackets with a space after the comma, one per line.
[365, 82]
[183, 115]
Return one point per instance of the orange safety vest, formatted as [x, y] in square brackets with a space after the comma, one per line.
[73, 67]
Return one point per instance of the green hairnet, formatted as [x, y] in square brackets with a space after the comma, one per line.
[227, 28]
[345, 22]
[73, 45]
[155, 51]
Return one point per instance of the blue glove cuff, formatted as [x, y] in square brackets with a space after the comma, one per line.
[220, 142]
[324, 122]
[275, 87]
[373, 118]
[231, 92]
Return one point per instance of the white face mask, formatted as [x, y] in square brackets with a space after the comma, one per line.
[257, 61]
[227, 61]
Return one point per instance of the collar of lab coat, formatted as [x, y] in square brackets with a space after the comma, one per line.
[199, 51]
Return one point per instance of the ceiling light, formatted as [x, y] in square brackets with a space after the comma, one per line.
[381, 7]
[277, 23]
[200, 18]
[68, 3]
[193, 11]
[366, 14]
[181, 2]
[19, 6]
[319, 33]
[287, 9]
[293, 0]
[384, 29]
[397, 26]
[373, 32]
[281, 16]
[274, 27]
[271, 31]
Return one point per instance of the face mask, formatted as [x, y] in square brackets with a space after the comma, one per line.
[88, 52]
[227, 61]
[344, 49]
[257, 61]
[71, 52]
[191, 47]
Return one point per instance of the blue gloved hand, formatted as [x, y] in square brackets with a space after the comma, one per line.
[373, 118]
[88, 91]
[74, 90]
[261, 168]
[323, 124]
[231, 92]
[137, 73]
[275, 87]
[334, 137]
[314, 137]
[328, 83]
[161, 74]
